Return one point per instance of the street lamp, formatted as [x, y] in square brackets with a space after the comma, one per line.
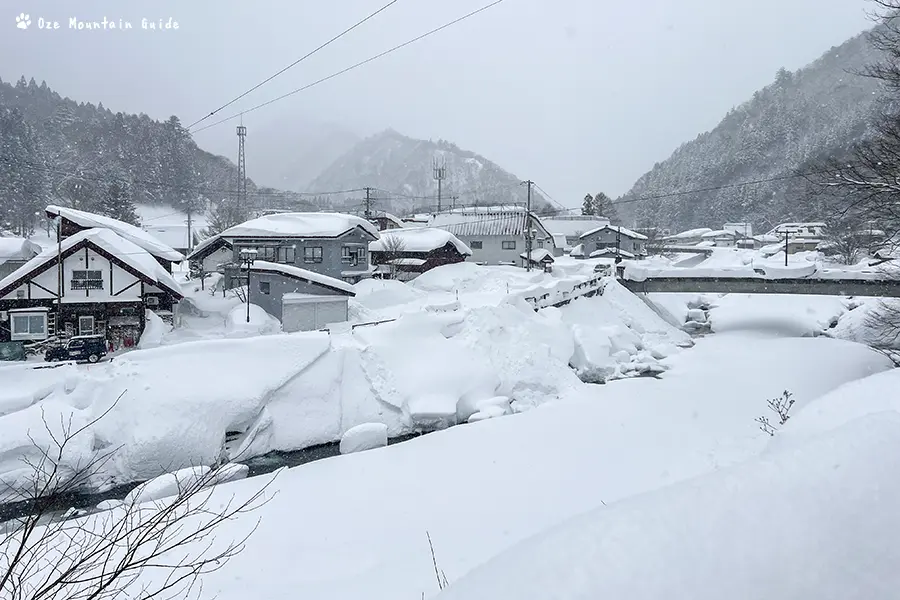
[248, 255]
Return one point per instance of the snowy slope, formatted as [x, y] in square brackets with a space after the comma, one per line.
[816, 521]
[402, 169]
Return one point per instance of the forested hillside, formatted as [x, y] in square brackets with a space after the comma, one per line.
[787, 127]
[55, 150]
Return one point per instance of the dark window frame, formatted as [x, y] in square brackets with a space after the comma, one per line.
[265, 288]
[508, 245]
[310, 256]
[476, 245]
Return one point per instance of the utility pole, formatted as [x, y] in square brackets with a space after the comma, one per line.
[528, 183]
[59, 271]
[786, 234]
[368, 203]
[439, 172]
[190, 234]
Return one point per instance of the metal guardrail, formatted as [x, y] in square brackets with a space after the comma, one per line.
[589, 287]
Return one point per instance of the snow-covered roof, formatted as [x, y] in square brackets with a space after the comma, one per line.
[486, 221]
[305, 275]
[133, 234]
[173, 235]
[300, 225]
[618, 229]
[689, 234]
[538, 255]
[113, 244]
[202, 249]
[16, 248]
[611, 252]
[408, 262]
[418, 239]
[577, 251]
[719, 233]
[573, 227]
[559, 240]
[392, 218]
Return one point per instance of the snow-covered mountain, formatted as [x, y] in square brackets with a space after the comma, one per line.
[786, 127]
[402, 170]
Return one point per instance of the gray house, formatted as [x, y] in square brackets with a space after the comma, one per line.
[15, 252]
[495, 234]
[331, 244]
[603, 241]
[302, 300]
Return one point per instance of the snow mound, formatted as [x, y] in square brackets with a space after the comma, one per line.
[166, 486]
[818, 521]
[261, 322]
[367, 436]
[377, 294]
[154, 331]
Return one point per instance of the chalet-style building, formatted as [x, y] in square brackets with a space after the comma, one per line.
[73, 221]
[613, 236]
[15, 252]
[94, 282]
[406, 253]
[332, 244]
[495, 234]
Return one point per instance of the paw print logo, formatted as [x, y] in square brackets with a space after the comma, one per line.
[23, 21]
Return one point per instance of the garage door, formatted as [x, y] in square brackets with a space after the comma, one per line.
[331, 312]
[299, 316]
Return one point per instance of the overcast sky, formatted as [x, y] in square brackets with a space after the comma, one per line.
[578, 95]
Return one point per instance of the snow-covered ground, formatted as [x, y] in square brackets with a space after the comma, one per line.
[463, 345]
[641, 488]
[609, 453]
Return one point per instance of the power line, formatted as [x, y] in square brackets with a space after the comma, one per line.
[352, 67]
[295, 63]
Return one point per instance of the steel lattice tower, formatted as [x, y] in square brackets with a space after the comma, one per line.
[242, 169]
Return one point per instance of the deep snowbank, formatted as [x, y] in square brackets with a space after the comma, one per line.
[360, 529]
[817, 521]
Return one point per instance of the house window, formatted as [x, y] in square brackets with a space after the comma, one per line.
[87, 280]
[28, 326]
[509, 244]
[353, 256]
[540, 243]
[286, 255]
[312, 254]
[268, 253]
[86, 325]
[20, 294]
[476, 245]
[265, 288]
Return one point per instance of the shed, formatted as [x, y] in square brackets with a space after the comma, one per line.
[308, 312]
[270, 283]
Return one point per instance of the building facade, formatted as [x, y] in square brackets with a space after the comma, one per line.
[331, 244]
[495, 234]
[612, 237]
[406, 253]
[107, 284]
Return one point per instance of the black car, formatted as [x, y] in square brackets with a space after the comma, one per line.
[90, 348]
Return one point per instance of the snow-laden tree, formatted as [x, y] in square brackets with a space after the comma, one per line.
[22, 173]
[587, 207]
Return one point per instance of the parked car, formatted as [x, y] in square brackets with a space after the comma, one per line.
[90, 348]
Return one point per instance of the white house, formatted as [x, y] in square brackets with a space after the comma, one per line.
[210, 254]
[104, 287]
[72, 221]
[495, 234]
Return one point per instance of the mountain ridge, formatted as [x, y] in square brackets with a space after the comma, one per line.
[816, 112]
